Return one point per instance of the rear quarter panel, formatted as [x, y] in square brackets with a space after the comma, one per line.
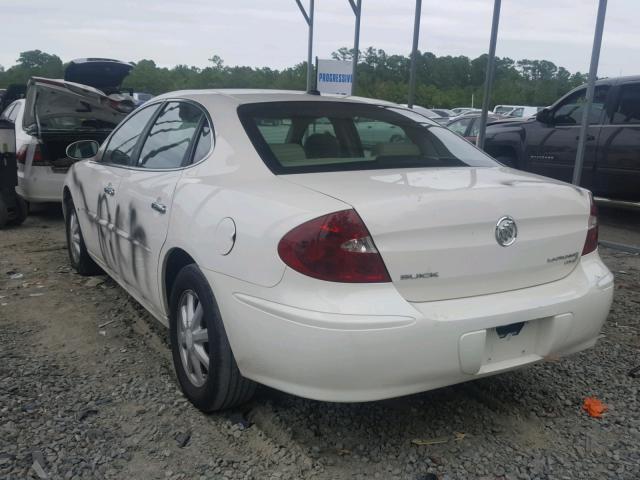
[234, 182]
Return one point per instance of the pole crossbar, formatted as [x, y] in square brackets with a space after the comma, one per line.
[304, 12]
[308, 17]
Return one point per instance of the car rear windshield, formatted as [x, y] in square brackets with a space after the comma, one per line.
[319, 136]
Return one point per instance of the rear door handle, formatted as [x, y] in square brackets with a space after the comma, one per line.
[159, 207]
[109, 190]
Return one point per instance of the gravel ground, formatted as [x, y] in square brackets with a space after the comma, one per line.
[87, 390]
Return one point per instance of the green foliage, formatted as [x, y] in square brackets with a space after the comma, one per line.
[32, 63]
[442, 81]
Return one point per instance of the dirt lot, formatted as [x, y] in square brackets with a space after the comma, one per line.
[87, 390]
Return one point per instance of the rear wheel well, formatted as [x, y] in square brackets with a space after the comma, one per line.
[177, 259]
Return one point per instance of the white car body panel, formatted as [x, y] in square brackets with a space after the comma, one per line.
[36, 183]
[355, 342]
[338, 342]
[444, 229]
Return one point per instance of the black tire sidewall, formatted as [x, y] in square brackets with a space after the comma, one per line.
[4, 213]
[209, 396]
[21, 211]
[85, 264]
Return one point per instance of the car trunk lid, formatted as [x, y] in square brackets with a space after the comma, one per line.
[436, 228]
[58, 106]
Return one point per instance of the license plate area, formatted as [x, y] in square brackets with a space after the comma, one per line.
[509, 342]
[512, 329]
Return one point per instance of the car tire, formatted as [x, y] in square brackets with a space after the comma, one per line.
[210, 382]
[78, 255]
[20, 213]
[4, 213]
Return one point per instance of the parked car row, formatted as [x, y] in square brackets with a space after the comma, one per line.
[546, 144]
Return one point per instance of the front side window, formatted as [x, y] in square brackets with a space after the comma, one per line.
[628, 108]
[169, 139]
[570, 111]
[122, 144]
[336, 136]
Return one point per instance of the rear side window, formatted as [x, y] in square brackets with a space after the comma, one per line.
[170, 137]
[122, 144]
[628, 108]
[301, 137]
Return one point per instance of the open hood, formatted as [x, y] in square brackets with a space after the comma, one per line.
[102, 73]
[54, 105]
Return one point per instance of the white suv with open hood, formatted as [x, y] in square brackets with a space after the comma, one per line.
[85, 105]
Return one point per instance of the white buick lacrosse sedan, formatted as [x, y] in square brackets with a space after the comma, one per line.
[339, 249]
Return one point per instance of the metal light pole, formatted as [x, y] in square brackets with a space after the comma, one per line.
[309, 19]
[357, 10]
[414, 55]
[488, 81]
[593, 72]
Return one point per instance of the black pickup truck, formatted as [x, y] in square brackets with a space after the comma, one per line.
[546, 144]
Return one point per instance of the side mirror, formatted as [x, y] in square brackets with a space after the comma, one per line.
[82, 149]
[545, 116]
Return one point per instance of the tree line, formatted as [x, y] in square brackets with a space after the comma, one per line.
[442, 81]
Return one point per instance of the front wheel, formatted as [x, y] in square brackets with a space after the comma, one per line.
[202, 357]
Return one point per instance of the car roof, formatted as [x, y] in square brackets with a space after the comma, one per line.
[242, 96]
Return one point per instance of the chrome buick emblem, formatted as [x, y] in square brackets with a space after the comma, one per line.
[506, 231]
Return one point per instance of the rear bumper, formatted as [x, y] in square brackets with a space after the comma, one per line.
[339, 342]
[40, 184]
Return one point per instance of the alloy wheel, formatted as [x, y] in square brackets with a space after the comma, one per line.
[193, 338]
[74, 236]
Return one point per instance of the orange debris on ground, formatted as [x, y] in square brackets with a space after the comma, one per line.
[594, 407]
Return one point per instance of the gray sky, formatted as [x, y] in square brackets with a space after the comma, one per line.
[272, 32]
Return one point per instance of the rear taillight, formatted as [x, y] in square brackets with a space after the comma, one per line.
[591, 242]
[21, 156]
[336, 247]
[38, 157]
